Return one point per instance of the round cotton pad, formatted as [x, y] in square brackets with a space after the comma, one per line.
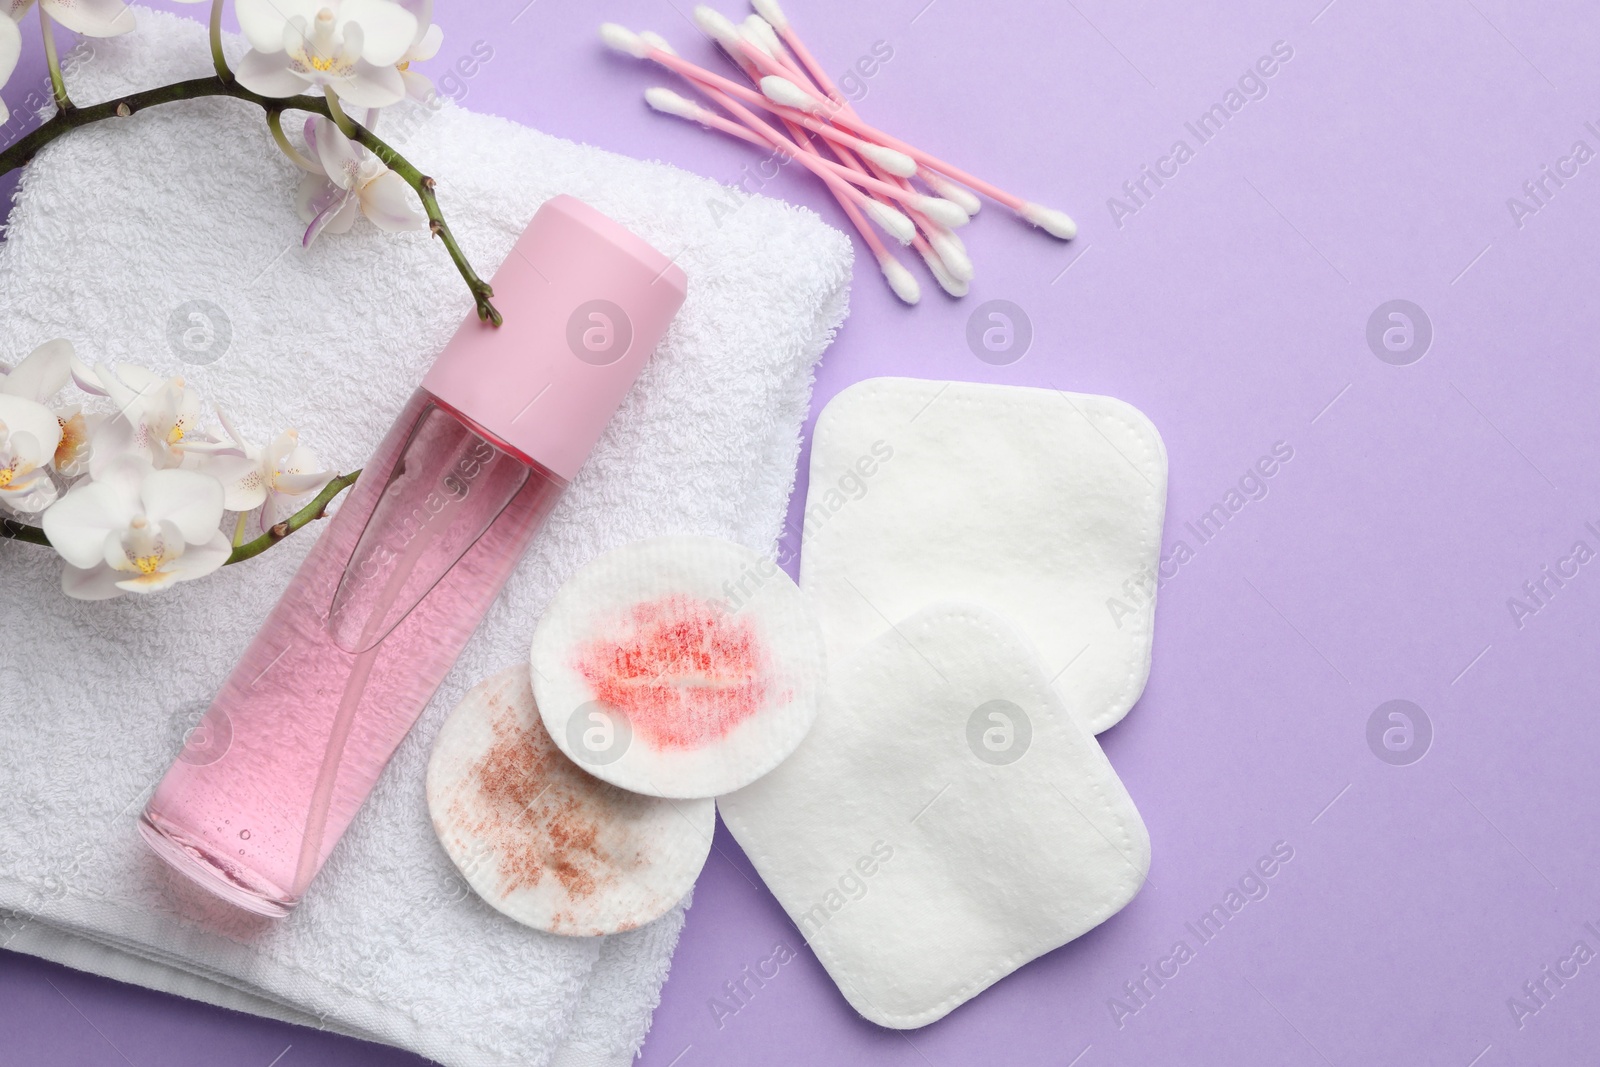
[540, 840]
[678, 667]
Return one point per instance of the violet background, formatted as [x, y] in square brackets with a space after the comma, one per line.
[1231, 309]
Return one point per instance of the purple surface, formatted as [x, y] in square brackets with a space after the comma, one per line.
[1232, 307]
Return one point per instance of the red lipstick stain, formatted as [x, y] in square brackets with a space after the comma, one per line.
[682, 672]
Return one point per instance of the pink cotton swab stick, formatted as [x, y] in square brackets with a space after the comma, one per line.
[782, 91]
[653, 48]
[728, 94]
[945, 212]
[772, 16]
[953, 276]
[754, 61]
[895, 222]
[900, 280]
[755, 32]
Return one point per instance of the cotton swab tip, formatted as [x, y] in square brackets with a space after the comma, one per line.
[655, 40]
[718, 27]
[624, 40]
[785, 92]
[941, 274]
[772, 12]
[759, 32]
[1056, 223]
[969, 201]
[671, 103]
[901, 280]
[897, 163]
[944, 212]
[954, 254]
[895, 223]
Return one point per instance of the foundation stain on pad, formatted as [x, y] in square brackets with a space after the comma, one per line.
[678, 667]
[542, 841]
[1044, 506]
[945, 822]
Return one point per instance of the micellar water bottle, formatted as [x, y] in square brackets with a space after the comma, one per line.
[409, 564]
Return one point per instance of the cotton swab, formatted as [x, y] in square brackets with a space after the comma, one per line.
[771, 15]
[900, 280]
[650, 47]
[896, 223]
[955, 193]
[945, 212]
[761, 34]
[869, 171]
[941, 274]
[786, 93]
[764, 35]
[756, 61]
[954, 253]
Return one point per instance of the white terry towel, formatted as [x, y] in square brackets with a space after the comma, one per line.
[117, 225]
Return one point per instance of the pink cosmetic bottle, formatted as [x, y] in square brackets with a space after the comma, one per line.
[386, 599]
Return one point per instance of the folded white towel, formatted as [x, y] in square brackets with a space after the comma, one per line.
[119, 224]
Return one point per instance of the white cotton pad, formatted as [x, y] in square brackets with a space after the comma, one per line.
[945, 822]
[1043, 506]
[540, 840]
[678, 666]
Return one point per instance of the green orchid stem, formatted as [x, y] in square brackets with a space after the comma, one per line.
[304, 517]
[422, 185]
[11, 529]
[335, 112]
[275, 124]
[68, 118]
[58, 84]
[217, 59]
[21, 531]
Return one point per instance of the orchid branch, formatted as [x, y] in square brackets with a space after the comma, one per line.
[423, 186]
[11, 529]
[304, 517]
[68, 118]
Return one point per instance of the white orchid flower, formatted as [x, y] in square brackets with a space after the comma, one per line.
[92, 18]
[279, 479]
[39, 377]
[424, 46]
[136, 529]
[348, 179]
[349, 46]
[29, 434]
[157, 417]
[10, 52]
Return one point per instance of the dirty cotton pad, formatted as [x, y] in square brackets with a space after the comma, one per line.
[678, 666]
[945, 822]
[1041, 505]
[544, 842]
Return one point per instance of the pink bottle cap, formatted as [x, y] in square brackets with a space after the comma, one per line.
[585, 303]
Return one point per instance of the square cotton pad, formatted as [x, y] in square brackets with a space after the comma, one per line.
[1043, 506]
[945, 821]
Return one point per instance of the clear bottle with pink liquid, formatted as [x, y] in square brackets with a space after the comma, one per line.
[388, 597]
